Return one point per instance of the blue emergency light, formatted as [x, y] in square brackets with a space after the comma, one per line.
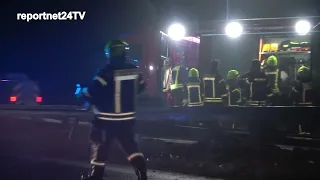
[78, 89]
[84, 90]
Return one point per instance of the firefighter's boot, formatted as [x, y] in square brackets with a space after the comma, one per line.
[96, 173]
[140, 167]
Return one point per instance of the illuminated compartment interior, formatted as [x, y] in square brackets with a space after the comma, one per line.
[291, 51]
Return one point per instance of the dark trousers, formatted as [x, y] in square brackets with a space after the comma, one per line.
[102, 134]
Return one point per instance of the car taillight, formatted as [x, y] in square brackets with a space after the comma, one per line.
[13, 99]
[38, 99]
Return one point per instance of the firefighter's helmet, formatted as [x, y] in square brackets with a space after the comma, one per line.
[193, 72]
[303, 71]
[116, 48]
[233, 74]
[272, 61]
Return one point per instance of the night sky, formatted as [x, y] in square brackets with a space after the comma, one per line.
[60, 54]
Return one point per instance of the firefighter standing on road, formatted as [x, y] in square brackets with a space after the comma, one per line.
[214, 85]
[233, 97]
[272, 72]
[193, 92]
[302, 92]
[113, 96]
[177, 86]
[256, 89]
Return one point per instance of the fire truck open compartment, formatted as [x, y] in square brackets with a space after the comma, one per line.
[237, 53]
[292, 51]
[262, 38]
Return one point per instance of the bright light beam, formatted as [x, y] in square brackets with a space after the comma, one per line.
[303, 27]
[234, 29]
[176, 32]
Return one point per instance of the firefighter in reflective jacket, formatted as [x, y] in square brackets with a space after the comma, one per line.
[233, 96]
[302, 92]
[214, 85]
[177, 86]
[273, 74]
[256, 88]
[193, 89]
[113, 95]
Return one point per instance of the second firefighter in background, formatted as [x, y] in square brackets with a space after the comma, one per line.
[213, 85]
[233, 96]
[255, 86]
[113, 96]
[193, 90]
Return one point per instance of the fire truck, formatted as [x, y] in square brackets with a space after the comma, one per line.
[156, 54]
[293, 40]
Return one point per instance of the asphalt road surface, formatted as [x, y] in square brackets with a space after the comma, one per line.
[51, 155]
[14, 168]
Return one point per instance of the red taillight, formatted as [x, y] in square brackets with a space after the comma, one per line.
[13, 99]
[39, 99]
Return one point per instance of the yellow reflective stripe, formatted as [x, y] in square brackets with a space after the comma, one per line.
[101, 80]
[276, 73]
[213, 100]
[132, 156]
[97, 163]
[213, 85]
[117, 114]
[270, 73]
[122, 75]
[259, 79]
[193, 86]
[209, 78]
[251, 84]
[229, 97]
[117, 97]
[116, 119]
[195, 105]
[257, 102]
[176, 86]
[126, 77]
